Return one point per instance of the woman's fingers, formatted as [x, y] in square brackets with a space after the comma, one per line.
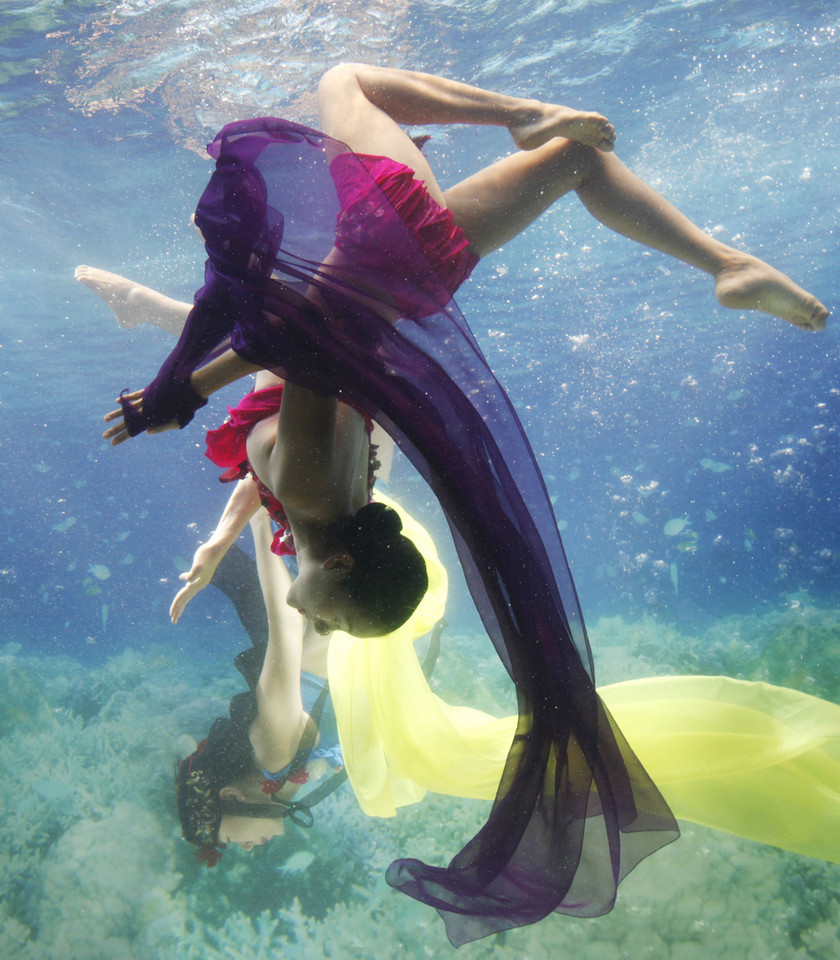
[178, 604]
[118, 433]
[183, 597]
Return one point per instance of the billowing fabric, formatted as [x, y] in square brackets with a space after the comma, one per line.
[752, 759]
[398, 739]
[756, 760]
[574, 810]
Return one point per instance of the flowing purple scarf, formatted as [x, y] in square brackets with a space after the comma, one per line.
[575, 811]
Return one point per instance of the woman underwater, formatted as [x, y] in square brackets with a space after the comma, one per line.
[335, 270]
[242, 781]
[563, 150]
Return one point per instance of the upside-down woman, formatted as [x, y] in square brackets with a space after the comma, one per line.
[333, 264]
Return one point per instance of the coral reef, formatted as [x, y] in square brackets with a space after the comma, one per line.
[798, 647]
[92, 865]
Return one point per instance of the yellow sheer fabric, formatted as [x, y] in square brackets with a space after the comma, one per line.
[759, 761]
[398, 739]
[756, 760]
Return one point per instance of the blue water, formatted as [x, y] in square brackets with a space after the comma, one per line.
[650, 407]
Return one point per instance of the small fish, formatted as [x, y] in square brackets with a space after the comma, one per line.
[99, 570]
[675, 526]
[297, 862]
[65, 524]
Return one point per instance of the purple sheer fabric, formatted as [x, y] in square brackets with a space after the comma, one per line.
[575, 811]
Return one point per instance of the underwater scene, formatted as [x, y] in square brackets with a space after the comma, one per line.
[691, 454]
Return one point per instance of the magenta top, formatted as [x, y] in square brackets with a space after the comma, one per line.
[366, 236]
[227, 447]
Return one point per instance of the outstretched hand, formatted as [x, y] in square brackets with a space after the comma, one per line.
[118, 433]
[206, 559]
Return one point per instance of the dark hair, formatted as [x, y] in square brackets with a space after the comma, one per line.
[389, 575]
[223, 757]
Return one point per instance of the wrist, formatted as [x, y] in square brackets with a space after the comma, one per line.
[220, 541]
[200, 384]
[218, 373]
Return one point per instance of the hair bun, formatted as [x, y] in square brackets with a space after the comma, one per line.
[381, 521]
[389, 575]
[371, 527]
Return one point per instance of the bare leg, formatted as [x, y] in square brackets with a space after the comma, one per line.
[564, 150]
[499, 202]
[132, 303]
[364, 106]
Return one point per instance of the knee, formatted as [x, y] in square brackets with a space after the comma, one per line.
[580, 154]
[578, 158]
[340, 78]
[341, 99]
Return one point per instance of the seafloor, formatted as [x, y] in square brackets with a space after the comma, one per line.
[92, 866]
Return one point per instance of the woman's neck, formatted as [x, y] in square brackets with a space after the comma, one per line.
[315, 540]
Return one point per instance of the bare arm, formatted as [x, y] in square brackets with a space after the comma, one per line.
[281, 722]
[241, 506]
[227, 368]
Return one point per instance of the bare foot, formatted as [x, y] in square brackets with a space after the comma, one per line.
[747, 283]
[548, 120]
[132, 303]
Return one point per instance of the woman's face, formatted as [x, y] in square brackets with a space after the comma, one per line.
[249, 832]
[318, 594]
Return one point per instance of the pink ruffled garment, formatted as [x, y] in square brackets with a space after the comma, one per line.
[365, 232]
[227, 447]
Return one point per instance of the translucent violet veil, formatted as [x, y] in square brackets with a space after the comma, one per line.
[575, 811]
